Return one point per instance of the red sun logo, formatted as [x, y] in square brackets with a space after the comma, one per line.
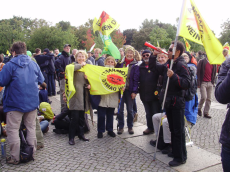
[115, 79]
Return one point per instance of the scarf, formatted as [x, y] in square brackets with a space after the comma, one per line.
[127, 62]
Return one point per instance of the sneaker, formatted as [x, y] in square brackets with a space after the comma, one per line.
[111, 133]
[135, 117]
[148, 131]
[130, 130]
[99, 135]
[120, 131]
[153, 143]
[174, 163]
[167, 150]
[207, 116]
[199, 112]
[9, 160]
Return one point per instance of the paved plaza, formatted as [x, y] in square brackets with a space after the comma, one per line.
[126, 153]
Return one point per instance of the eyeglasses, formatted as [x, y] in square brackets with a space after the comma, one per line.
[170, 49]
[145, 55]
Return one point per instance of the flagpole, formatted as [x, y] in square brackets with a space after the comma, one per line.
[167, 84]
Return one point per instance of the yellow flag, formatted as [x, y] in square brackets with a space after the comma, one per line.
[187, 45]
[158, 45]
[193, 27]
[105, 24]
[104, 80]
[7, 52]
[69, 86]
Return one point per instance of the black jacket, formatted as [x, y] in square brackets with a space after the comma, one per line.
[148, 83]
[222, 94]
[178, 83]
[51, 67]
[43, 61]
[62, 62]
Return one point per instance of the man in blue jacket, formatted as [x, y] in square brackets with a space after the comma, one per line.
[222, 94]
[20, 77]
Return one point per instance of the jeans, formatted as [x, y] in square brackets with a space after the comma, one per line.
[1, 95]
[206, 96]
[126, 99]
[44, 124]
[103, 124]
[151, 108]
[51, 85]
[225, 158]
[134, 107]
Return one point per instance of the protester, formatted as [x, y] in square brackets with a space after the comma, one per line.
[225, 53]
[122, 53]
[147, 89]
[99, 61]
[90, 57]
[222, 94]
[206, 74]
[1, 66]
[107, 106]
[130, 90]
[60, 64]
[51, 73]
[72, 57]
[20, 103]
[135, 114]
[79, 103]
[43, 94]
[175, 103]
[56, 53]
[200, 56]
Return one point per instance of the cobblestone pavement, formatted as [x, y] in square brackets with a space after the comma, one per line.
[112, 154]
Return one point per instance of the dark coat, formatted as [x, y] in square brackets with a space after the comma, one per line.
[62, 62]
[43, 62]
[100, 61]
[222, 94]
[201, 70]
[148, 83]
[51, 67]
[132, 76]
[43, 96]
[178, 83]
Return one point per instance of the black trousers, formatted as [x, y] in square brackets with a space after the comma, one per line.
[176, 125]
[77, 123]
[62, 124]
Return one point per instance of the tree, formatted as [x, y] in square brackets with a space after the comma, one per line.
[118, 38]
[225, 34]
[129, 35]
[98, 41]
[64, 25]
[89, 40]
[51, 37]
[160, 35]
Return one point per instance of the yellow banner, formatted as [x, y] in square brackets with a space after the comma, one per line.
[193, 27]
[105, 24]
[69, 86]
[187, 45]
[104, 80]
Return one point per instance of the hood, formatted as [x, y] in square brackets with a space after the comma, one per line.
[21, 60]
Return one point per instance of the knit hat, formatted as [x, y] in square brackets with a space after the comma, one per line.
[146, 51]
[46, 50]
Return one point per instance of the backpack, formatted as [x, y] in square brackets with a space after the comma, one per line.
[46, 110]
[191, 91]
[26, 151]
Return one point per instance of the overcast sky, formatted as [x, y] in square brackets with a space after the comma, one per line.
[128, 13]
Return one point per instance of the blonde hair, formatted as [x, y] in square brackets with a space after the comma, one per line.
[111, 58]
[98, 49]
[185, 54]
[166, 57]
[137, 56]
[83, 53]
[130, 48]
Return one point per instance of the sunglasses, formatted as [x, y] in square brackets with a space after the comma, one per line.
[145, 55]
[170, 49]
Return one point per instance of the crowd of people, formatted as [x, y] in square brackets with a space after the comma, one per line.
[148, 72]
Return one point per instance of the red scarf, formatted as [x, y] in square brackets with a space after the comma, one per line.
[127, 62]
